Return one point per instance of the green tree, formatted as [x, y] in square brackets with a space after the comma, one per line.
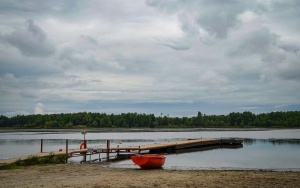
[87, 119]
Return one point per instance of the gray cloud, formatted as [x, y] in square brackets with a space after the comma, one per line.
[63, 9]
[279, 60]
[286, 13]
[258, 42]
[291, 73]
[218, 22]
[90, 39]
[177, 47]
[31, 42]
[217, 18]
[290, 48]
[39, 108]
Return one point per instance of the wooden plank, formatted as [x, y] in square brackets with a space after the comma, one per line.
[198, 143]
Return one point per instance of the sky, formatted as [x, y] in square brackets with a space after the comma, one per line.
[161, 57]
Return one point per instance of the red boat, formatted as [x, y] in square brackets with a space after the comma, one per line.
[149, 161]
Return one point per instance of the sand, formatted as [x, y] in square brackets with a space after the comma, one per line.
[94, 175]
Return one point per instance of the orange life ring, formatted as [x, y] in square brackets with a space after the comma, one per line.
[83, 145]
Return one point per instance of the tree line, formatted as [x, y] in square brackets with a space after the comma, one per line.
[288, 119]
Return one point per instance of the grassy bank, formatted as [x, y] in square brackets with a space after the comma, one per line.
[35, 160]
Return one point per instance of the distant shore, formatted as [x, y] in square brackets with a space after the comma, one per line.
[139, 129]
[94, 175]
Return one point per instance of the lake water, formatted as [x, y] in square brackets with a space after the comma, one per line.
[267, 149]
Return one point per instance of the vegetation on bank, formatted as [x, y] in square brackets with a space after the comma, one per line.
[288, 119]
[35, 160]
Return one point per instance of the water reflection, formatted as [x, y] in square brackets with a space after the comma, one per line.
[248, 141]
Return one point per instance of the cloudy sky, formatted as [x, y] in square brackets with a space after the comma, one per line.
[174, 57]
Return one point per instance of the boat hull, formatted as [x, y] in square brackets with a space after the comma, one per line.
[149, 161]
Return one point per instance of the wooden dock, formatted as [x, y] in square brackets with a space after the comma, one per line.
[180, 146]
[173, 146]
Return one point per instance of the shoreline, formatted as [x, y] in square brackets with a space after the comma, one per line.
[116, 130]
[93, 175]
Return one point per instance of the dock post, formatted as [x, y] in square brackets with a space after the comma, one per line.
[67, 148]
[84, 157]
[41, 145]
[107, 149]
[118, 151]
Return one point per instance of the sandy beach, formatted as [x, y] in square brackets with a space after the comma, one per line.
[94, 175]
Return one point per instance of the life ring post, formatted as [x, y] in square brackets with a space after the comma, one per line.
[83, 145]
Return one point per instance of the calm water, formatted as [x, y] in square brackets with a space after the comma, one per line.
[272, 149]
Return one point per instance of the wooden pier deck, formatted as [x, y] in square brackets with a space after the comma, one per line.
[176, 146]
[179, 146]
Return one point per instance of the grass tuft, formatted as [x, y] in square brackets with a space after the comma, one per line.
[35, 160]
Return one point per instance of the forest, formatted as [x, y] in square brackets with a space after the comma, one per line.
[289, 119]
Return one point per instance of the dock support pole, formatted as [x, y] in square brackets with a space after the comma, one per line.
[41, 145]
[118, 151]
[67, 148]
[107, 149]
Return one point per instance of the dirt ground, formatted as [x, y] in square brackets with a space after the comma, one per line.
[94, 175]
